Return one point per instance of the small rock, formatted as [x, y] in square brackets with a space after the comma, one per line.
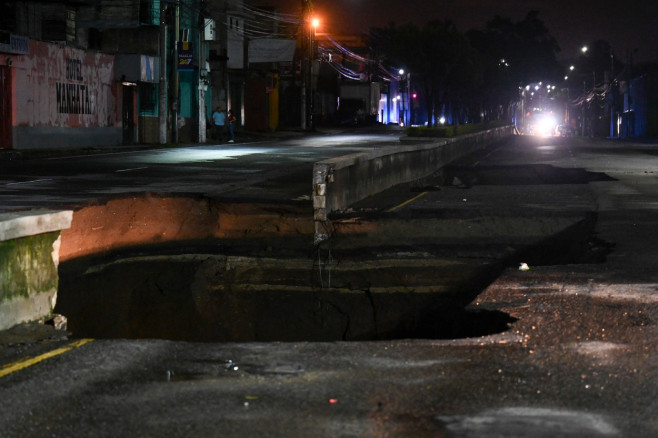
[58, 321]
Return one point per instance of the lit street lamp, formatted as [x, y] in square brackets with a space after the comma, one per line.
[308, 38]
[404, 87]
[313, 27]
[589, 123]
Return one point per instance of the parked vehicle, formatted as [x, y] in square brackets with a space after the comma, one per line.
[566, 131]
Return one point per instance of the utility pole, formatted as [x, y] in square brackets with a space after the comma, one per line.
[307, 61]
[305, 16]
[176, 85]
[582, 132]
[206, 26]
[163, 109]
[612, 97]
[312, 25]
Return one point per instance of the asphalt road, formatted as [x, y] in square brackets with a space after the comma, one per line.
[70, 179]
[579, 360]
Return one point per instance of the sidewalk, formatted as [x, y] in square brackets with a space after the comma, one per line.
[240, 135]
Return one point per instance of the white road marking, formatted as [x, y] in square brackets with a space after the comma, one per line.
[29, 182]
[131, 169]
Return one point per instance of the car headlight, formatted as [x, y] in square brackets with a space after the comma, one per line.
[546, 125]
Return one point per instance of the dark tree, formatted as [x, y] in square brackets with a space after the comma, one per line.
[599, 61]
[477, 74]
[513, 55]
[439, 57]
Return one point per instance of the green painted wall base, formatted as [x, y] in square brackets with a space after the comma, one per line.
[28, 278]
[29, 257]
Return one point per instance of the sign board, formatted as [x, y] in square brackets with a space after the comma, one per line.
[271, 50]
[209, 29]
[185, 56]
[10, 43]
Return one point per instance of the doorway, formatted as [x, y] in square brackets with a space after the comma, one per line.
[128, 114]
[5, 108]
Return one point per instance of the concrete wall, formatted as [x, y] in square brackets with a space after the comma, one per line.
[340, 182]
[29, 256]
[63, 97]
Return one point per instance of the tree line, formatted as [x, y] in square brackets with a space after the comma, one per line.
[473, 75]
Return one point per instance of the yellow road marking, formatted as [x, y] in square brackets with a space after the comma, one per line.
[407, 202]
[477, 163]
[29, 361]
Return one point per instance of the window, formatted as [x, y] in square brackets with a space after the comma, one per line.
[70, 25]
[147, 12]
[8, 16]
[148, 97]
[54, 30]
[95, 39]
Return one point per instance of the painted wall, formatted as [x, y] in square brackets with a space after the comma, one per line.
[64, 97]
[644, 95]
[29, 259]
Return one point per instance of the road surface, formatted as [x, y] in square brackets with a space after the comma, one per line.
[72, 180]
[578, 359]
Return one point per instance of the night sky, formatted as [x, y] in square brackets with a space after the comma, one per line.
[626, 24]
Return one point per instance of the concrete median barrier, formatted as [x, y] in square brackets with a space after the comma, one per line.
[29, 256]
[340, 182]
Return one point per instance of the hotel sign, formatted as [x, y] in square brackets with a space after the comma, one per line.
[73, 96]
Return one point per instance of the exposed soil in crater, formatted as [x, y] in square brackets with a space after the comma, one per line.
[194, 269]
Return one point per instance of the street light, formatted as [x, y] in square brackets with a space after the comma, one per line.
[404, 84]
[314, 24]
[584, 50]
[308, 37]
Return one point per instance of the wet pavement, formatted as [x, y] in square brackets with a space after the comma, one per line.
[578, 360]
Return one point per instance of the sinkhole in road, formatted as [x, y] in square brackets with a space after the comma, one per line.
[263, 287]
[201, 295]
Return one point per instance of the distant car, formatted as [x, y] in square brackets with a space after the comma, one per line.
[542, 124]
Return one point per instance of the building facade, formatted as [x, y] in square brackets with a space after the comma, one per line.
[101, 73]
[56, 96]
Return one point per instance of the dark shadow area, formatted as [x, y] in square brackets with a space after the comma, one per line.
[467, 176]
[472, 323]
[574, 245]
[220, 298]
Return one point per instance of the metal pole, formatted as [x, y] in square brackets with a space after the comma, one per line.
[202, 81]
[311, 34]
[307, 49]
[303, 96]
[612, 93]
[163, 110]
[174, 122]
[582, 122]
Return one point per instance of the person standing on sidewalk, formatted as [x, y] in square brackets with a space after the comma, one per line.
[219, 122]
[231, 126]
